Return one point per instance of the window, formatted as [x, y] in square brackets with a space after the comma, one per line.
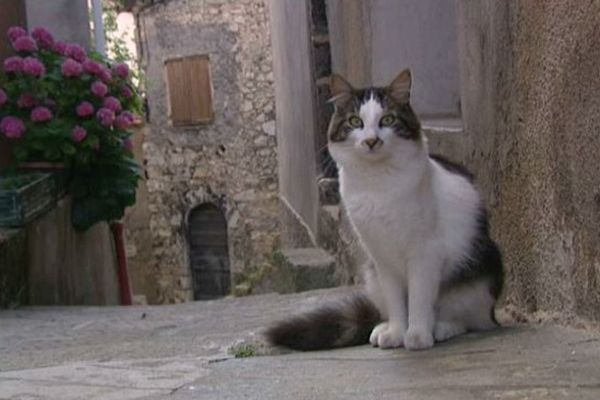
[189, 90]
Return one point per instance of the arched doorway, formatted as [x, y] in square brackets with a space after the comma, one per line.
[208, 252]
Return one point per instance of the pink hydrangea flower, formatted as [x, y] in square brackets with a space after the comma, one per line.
[76, 52]
[99, 89]
[34, 67]
[43, 38]
[121, 70]
[128, 144]
[85, 109]
[92, 66]
[3, 97]
[126, 92]
[71, 68]
[16, 32]
[105, 116]
[12, 127]
[41, 114]
[112, 103]
[129, 116]
[13, 64]
[26, 100]
[24, 43]
[78, 134]
[105, 75]
[124, 121]
[60, 48]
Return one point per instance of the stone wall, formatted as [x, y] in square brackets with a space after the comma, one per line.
[531, 110]
[138, 237]
[296, 119]
[230, 162]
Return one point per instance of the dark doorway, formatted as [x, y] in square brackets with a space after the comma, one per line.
[209, 256]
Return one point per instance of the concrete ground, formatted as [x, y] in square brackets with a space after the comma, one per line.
[184, 352]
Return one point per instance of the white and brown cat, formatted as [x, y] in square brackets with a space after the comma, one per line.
[435, 271]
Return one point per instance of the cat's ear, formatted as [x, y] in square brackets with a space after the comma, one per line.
[399, 89]
[341, 90]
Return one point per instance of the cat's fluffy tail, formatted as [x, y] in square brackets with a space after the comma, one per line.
[347, 322]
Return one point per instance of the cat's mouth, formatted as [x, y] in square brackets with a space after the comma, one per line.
[373, 154]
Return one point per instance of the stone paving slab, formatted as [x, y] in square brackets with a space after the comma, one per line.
[516, 363]
[180, 352]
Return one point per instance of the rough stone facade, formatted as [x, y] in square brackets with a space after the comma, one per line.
[138, 237]
[532, 117]
[230, 162]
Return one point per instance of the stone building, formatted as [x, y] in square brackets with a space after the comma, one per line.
[211, 179]
[508, 88]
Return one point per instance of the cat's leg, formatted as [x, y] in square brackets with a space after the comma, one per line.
[390, 334]
[423, 288]
[468, 307]
[374, 290]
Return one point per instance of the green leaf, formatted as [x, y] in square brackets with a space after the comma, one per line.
[68, 149]
[20, 153]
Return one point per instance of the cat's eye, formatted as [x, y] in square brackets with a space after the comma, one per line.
[355, 122]
[387, 120]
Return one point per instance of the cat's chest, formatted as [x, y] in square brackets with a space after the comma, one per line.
[382, 218]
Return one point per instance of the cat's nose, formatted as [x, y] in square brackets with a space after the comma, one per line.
[372, 142]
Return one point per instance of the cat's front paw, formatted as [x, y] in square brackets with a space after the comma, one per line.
[385, 336]
[418, 339]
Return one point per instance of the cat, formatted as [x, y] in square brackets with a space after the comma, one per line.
[434, 272]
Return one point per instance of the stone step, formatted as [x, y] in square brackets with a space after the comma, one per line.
[445, 136]
[306, 269]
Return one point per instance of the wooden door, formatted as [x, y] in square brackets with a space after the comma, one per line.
[209, 254]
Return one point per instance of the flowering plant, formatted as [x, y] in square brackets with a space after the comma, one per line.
[60, 103]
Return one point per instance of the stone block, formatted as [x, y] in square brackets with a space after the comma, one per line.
[305, 269]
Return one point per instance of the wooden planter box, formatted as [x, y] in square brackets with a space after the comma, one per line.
[23, 197]
[60, 175]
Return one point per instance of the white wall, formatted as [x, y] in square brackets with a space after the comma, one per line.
[68, 20]
[372, 40]
[294, 103]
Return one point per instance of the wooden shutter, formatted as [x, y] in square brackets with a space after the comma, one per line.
[189, 90]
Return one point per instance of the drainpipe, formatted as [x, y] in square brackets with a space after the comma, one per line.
[123, 274]
[99, 37]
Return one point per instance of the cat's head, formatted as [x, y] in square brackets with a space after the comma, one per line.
[373, 124]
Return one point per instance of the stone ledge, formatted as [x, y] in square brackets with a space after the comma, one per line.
[306, 269]
[445, 136]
